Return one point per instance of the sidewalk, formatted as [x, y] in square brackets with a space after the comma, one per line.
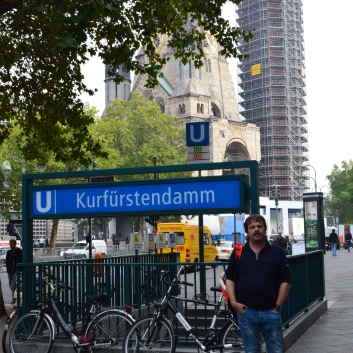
[332, 332]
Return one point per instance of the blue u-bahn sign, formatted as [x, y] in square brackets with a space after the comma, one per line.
[169, 196]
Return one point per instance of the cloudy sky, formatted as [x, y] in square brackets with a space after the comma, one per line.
[329, 74]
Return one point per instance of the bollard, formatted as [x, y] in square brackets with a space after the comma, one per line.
[98, 270]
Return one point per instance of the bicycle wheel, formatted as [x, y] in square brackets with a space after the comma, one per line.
[31, 333]
[108, 325]
[144, 336]
[231, 337]
[10, 322]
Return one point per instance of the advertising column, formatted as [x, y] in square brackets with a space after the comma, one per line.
[314, 221]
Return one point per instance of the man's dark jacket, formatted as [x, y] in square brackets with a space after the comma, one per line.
[258, 277]
[281, 242]
[333, 238]
[13, 257]
[348, 236]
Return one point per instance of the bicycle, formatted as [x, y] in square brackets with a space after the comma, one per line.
[35, 331]
[155, 332]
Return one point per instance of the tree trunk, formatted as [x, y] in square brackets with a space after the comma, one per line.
[54, 233]
[2, 304]
[137, 224]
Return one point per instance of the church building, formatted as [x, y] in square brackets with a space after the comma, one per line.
[196, 94]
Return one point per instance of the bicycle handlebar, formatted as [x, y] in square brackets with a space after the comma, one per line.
[61, 285]
[175, 281]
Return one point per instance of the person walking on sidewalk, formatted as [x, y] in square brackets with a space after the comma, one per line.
[257, 286]
[348, 239]
[333, 240]
[13, 257]
[281, 242]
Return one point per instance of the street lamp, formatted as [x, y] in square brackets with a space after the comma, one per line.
[276, 195]
[324, 186]
[6, 166]
[309, 165]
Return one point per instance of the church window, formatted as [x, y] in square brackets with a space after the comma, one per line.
[201, 109]
[160, 102]
[107, 96]
[190, 69]
[198, 107]
[183, 108]
[180, 70]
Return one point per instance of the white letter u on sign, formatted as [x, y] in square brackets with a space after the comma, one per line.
[202, 133]
[39, 203]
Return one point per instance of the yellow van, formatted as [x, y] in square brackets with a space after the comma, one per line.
[187, 241]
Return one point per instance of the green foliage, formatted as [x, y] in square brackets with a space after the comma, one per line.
[136, 131]
[133, 133]
[341, 197]
[43, 46]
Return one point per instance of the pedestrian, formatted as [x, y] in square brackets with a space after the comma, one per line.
[13, 257]
[348, 239]
[127, 240]
[34, 244]
[117, 241]
[114, 242]
[46, 242]
[281, 242]
[257, 285]
[333, 240]
[291, 242]
[41, 242]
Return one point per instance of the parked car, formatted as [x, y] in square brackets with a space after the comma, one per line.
[225, 250]
[80, 250]
[3, 251]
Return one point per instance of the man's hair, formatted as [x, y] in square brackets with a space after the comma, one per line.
[254, 218]
[12, 241]
[333, 230]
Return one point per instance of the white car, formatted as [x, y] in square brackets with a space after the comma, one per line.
[80, 250]
[225, 250]
[3, 251]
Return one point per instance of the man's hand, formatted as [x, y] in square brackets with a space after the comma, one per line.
[238, 307]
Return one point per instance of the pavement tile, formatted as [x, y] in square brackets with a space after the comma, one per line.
[332, 332]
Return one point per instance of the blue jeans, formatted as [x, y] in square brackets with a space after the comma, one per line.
[333, 248]
[268, 322]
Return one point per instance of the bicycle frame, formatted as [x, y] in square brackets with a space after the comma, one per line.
[208, 343]
[53, 309]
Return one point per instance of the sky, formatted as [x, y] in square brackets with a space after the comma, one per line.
[328, 56]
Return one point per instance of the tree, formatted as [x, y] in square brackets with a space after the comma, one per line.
[341, 197]
[43, 45]
[136, 132]
[133, 133]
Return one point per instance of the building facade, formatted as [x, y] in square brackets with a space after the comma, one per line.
[272, 92]
[198, 94]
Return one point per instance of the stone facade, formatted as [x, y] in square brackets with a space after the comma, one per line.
[197, 94]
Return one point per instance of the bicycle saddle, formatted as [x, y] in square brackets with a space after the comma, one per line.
[216, 289]
[98, 297]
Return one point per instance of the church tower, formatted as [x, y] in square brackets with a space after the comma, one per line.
[198, 94]
[113, 90]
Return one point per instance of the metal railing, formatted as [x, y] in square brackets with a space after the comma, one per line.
[134, 281]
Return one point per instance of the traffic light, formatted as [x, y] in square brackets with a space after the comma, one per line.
[9, 228]
[152, 220]
[276, 193]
